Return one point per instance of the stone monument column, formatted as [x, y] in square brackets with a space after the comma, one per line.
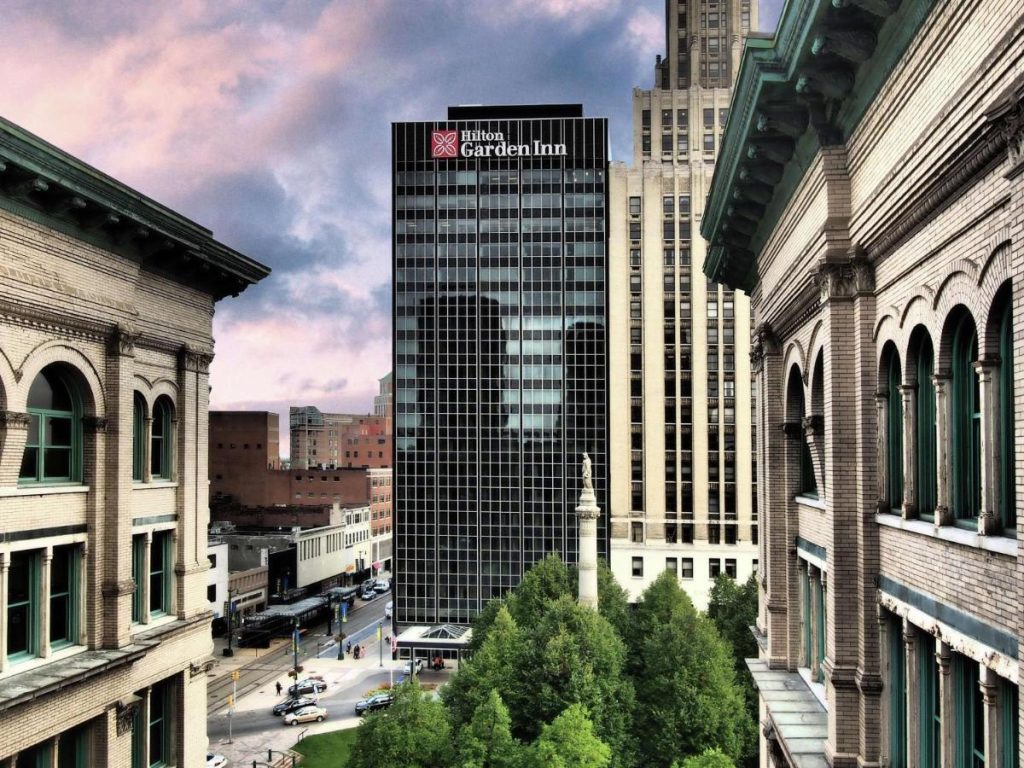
[588, 512]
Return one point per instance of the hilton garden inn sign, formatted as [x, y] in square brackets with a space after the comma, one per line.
[446, 144]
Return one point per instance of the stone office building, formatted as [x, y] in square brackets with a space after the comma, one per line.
[871, 202]
[683, 469]
[105, 342]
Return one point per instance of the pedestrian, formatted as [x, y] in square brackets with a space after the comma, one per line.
[278, 686]
[348, 647]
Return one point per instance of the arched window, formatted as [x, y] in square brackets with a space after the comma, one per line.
[1007, 495]
[894, 433]
[797, 410]
[53, 449]
[160, 452]
[138, 437]
[966, 422]
[924, 420]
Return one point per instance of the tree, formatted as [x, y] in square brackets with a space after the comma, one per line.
[710, 758]
[733, 609]
[686, 697]
[570, 742]
[547, 580]
[412, 732]
[497, 666]
[486, 742]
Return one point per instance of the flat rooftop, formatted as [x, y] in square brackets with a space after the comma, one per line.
[513, 111]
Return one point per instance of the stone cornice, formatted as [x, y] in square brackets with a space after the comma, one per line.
[44, 183]
[805, 88]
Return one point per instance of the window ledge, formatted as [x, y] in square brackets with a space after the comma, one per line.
[818, 689]
[154, 484]
[1003, 545]
[43, 490]
[797, 718]
[810, 501]
[155, 627]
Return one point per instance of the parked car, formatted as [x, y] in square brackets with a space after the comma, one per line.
[292, 703]
[306, 715]
[372, 704]
[215, 761]
[367, 594]
[382, 586]
[389, 609]
[307, 686]
[408, 669]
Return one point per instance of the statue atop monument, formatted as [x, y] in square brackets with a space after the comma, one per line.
[588, 483]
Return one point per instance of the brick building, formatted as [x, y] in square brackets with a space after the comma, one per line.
[339, 439]
[870, 200]
[105, 345]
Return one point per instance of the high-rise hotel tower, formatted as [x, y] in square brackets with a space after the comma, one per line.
[683, 474]
[500, 348]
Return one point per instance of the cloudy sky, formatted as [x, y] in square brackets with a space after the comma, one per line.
[268, 121]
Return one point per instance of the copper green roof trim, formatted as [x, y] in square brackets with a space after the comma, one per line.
[805, 87]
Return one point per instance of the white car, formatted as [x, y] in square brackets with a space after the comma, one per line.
[215, 761]
[306, 715]
[388, 609]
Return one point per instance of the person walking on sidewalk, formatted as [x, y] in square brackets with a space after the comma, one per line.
[278, 686]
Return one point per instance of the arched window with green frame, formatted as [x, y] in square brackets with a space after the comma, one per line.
[53, 447]
[965, 424]
[894, 432]
[138, 437]
[924, 423]
[160, 440]
[1007, 489]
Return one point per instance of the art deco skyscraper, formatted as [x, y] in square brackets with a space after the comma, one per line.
[683, 473]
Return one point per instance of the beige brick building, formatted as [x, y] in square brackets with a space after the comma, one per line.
[870, 200]
[105, 341]
[683, 478]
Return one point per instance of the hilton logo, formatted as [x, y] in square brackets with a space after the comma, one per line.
[444, 144]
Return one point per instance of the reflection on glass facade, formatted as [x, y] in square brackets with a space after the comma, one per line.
[500, 359]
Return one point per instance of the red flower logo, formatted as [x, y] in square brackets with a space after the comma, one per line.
[444, 144]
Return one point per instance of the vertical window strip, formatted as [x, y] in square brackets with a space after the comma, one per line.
[138, 437]
[968, 714]
[1007, 496]
[1008, 726]
[819, 593]
[894, 434]
[806, 583]
[966, 423]
[23, 586]
[925, 427]
[138, 558]
[897, 695]
[63, 627]
[928, 696]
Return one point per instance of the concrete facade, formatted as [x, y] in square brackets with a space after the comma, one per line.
[683, 479]
[106, 340]
[872, 204]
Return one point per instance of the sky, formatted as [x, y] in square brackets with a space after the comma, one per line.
[268, 121]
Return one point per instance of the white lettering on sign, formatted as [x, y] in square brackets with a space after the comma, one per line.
[478, 143]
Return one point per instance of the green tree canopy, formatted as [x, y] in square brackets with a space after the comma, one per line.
[413, 732]
[570, 742]
[486, 742]
[687, 700]
[710, 758]
[733, 609]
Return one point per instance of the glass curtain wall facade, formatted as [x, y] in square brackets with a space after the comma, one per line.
[500, 349]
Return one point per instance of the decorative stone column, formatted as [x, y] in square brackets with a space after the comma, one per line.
[882, 451]
[991, 470]
[147, 447]
[83, 591]
[46, 561]
[943, 454]
[588, 512]
[144, 573]
[13, 436]
[944, 658]
[988, 682]
[909, 394]
[913, 675]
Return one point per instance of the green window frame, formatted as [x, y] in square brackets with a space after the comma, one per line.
[138, 742]
[968, 714]
[808, 622]
[53, 447]
[73, 748]
[1008, 725]
[37, 756]
[23, 587]
[138, 437]
[897, 694]
[966, 423]
[138, 559]
[930, 715]
[1008, 492]
[160, 725]
[160, 564]
[819, 626]
[64, 568]
[926, 485]
[160, 440]
[894, 434]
